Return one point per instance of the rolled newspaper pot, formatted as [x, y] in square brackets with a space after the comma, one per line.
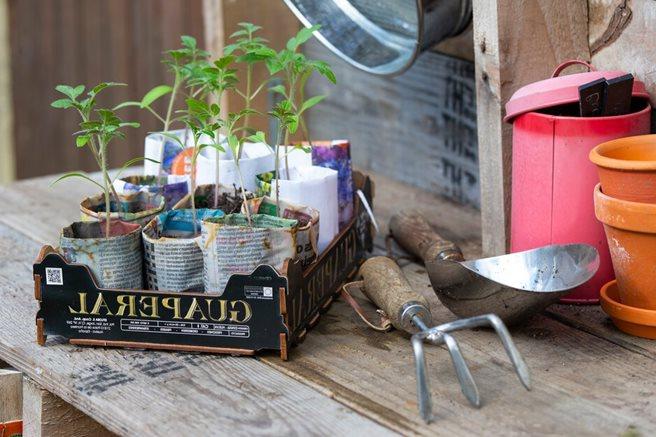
[171, 187]
[139, 207]
[231, 246]
[336, 155]
[115, 261]
[172, 255]
[307, 236]
[313, 186]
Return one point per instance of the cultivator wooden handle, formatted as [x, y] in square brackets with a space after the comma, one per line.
[414, 234]
[387, 287]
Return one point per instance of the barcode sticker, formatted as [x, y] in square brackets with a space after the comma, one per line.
[54, 276]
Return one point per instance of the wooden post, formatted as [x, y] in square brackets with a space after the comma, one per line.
[11, 395]
[516, 42]
[44, 414]
[7, 159]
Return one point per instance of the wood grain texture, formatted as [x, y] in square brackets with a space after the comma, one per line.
[621, 35]
[589, 378]
[85, 42]
[516, 42]
[11, 395]
[7, 159]
[419, 127]
[141, 392]
[46, 415]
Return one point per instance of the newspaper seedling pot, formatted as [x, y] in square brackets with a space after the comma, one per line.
[137, 208]
[230, 200]
[172, 188]
[115, 261]
[627, 168]
[307, 234]
[172, 255]
[231, 246]
[631, 233]
[635, 321]
[161, 151]
[313, 186]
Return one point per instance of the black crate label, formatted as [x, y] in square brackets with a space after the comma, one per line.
[251, 292]
[246, 316]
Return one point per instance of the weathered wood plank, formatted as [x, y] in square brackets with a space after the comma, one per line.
[419, 128]
[46, 415]
[584, 384]
[153, 393]
[621, 37]
[11, 395]
[8, 162]
[515, 43]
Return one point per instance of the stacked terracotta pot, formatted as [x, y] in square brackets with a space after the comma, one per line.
[625, 202]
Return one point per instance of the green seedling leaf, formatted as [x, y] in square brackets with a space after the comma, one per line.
[279, 89]
[101, 86]
[324, 69]
[76, 174]
[82, 140]
[301, 37]
[63, 104]
[312, 101]
[188, 41]
[125, 105]
[129, 124]
[173, 137]
[258, 137]
[69, 91]
[223, 62]
[154, 94]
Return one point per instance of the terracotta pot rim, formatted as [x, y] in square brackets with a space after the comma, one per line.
[615, 309]
[624, 214]
[598, 158]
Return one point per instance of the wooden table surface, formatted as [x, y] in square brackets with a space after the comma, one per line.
[346, 379]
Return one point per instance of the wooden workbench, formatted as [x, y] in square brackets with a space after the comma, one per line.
[344, 379]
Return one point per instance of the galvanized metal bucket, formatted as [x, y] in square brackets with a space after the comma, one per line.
[383, 36]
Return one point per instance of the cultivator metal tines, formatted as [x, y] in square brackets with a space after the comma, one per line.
[385, 284]
[439, 335]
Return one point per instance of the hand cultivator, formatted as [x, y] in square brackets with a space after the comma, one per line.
[385, 284]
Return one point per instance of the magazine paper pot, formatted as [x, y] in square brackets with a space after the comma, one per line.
[137, 208]
[172, 255]
[115, 261]
[256, 158]
[231, 246]
[230, 199]
[307, 234]
[161, 151]
[171, 187]
[313, 186]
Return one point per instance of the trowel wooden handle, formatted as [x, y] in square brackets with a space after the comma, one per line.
[414, 234]
[387, 287]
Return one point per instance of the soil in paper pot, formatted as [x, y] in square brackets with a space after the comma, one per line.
[231, 246]
[229, 200]
[115, 261]
[173, 259]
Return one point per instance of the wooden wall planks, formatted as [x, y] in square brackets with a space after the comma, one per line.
[87, 41]
[419, 127]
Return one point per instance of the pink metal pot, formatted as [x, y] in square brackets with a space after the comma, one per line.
[552, 177]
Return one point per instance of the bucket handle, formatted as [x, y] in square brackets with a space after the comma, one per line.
[566, 64]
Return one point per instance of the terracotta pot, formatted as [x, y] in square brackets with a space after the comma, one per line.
[627, 168]
[634, 321]
[631, 233]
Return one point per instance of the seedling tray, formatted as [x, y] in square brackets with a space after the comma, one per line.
[261, 310]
